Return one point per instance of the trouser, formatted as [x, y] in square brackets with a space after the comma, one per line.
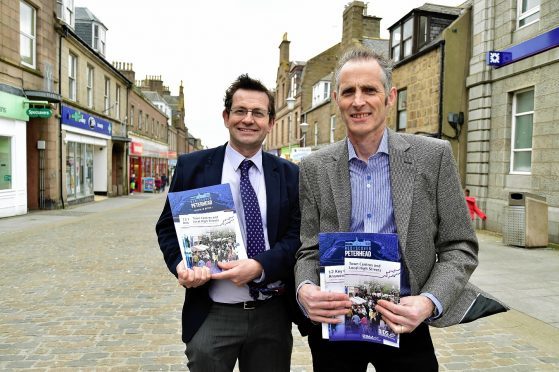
[416, 353]
[260, 339]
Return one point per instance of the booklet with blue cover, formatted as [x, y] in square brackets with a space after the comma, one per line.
[207, 226]
[366, 266]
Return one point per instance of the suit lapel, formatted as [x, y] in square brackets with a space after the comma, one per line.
[272, 181]
[213, 167]
[402, 173]
[338, 173]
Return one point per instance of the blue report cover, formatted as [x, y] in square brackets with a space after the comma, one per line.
[366, 266]
[207, 226]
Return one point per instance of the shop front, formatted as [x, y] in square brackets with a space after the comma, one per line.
[148, 160]
[13, 160]
[86, 155]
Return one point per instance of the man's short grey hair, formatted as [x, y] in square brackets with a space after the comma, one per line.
[361, 53]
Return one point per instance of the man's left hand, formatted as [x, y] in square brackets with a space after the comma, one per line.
[407, 315]
[240, 272]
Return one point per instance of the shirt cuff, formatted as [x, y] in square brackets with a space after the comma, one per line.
[438, 307]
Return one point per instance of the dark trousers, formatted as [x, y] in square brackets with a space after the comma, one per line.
[260, 339]
[416, 353]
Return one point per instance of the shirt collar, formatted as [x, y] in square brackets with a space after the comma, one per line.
[236, 159]
[382, 148]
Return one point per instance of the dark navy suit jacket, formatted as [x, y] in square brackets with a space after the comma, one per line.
[204, 168]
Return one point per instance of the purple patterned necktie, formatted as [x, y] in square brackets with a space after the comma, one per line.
[253, 220]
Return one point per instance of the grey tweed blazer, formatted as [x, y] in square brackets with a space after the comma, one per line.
[437, 243]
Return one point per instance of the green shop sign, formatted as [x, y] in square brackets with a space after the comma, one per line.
[40, 112]
[12, 106]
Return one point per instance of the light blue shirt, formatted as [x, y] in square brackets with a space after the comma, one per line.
[371, 200]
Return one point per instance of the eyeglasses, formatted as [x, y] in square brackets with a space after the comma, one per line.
[243, 112]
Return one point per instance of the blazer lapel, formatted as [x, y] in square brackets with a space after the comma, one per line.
[213, 167]
[272, 181]
[338, 173]
[402, 173]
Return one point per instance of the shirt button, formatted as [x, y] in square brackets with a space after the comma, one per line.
[368, 185]
[368, 177]
[369, 215]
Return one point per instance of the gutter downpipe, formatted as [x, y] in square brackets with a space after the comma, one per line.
[62, 34]
[441, 90]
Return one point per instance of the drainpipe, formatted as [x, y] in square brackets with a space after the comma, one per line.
[441, 90]
[60, 112]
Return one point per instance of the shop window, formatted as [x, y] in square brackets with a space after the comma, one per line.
[79, 170]
[522, 125]
[27, 34]
[5, 163]
[528, 12]
[402, 110]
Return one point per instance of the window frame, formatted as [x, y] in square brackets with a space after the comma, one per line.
[90, 85]
[332, 128]
[66, 11]
[402, 108]
[396, 43]
[72, 76]
[117, 102]
[30, 38]
[107, 97]
[521, 16]
[514, 116]
[99, 40]
[321, 92]
[409, 39]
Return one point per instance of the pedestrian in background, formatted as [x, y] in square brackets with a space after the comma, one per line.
[132, 182]
[378, 180]
[473, 207]
[163, 182]
[243, 312]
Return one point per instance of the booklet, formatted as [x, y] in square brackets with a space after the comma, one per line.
[207, 226]
[365, 266]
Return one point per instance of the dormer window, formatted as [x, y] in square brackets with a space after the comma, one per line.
[65, 11]
[320, 92]
[99, 35]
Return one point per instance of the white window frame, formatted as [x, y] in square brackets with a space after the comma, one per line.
[72, 76]
[407, 40]
[401, 107]
[515, 115]
[107, 97]
[90, 74]
[99, 39]
[316, 133]
[396, 45]
[28, 36]
[117, 102]
[294, 86]
[65, 10]
[140, 118]
[321, 92]
[528, 13]
[131, 120]
[332, 128]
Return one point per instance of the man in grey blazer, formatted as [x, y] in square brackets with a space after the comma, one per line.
[377, 180]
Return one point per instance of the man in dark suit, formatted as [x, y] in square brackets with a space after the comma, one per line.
[223, 317]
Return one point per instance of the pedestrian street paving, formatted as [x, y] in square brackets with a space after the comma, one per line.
[86, 289]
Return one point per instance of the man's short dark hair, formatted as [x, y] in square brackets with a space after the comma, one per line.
[247, 83]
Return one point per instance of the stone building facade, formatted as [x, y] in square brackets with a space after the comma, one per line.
[513, 90]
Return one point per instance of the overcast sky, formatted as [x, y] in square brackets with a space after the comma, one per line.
[207, 44]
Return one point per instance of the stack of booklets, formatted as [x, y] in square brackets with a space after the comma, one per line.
[207, 226]
[366, 266]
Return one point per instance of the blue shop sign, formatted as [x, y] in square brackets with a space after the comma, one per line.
[525, 49]
[85, 121]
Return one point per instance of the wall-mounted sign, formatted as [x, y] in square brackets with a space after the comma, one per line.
[82, 120]
[12, 106]
[40, 112]
[525, 49]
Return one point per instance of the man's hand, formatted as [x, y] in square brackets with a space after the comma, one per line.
[322, 306]
[407, 315]
[192, 278]
[240, 272]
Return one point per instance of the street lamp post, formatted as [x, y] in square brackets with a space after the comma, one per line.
[304, 127]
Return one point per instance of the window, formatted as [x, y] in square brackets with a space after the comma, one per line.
[528, 12]
[99, 37]
[423, 37]
[89, 87]
[407, 37]
[65, 11]
[332, 128]
[402, 110]
[521, 138]
[321, 92]
[5, 163]
[107, 97]
[131, 121]
[117, 102]
[79, 170]
[27, 34]
[395, 47]
[140, 120]
[72, 68]
[294, 86]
